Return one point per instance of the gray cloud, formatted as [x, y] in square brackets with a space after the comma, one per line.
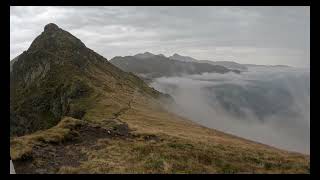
[215, 100]
[259, 35]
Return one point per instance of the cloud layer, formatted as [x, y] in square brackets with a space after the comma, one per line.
[271, 106]
[257, 35]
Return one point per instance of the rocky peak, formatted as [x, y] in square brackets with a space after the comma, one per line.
[51, 28]
[55, 39]
[53, 47]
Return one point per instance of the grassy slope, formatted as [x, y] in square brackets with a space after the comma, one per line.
[159, 142]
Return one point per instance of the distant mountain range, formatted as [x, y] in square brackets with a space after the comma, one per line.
[151, 65]
[228, 64]
[274, 66]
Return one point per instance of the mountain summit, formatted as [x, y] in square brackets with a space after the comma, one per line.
[54, 38]
[51, 27]
[56, 73]
[71, 111]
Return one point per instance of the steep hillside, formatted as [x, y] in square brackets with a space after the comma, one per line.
[71, 111]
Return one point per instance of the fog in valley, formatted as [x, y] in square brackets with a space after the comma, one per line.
[270, 105]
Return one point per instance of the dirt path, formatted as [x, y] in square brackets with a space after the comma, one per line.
[49, 158]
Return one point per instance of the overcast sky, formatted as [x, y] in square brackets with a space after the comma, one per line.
[256, 35]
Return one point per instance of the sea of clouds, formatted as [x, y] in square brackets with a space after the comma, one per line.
[270, 105]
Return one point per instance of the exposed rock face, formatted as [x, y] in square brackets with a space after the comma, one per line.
[51, 27]
[39, 72]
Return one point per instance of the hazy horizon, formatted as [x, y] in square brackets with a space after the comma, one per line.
[246, 35]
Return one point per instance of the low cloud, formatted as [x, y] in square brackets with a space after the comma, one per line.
[268, 105]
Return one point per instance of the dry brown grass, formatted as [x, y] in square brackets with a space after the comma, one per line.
[21, 148]
[177, 145]
[174, 155]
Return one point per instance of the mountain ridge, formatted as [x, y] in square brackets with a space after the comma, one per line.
[156, 66]
[178, 57]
